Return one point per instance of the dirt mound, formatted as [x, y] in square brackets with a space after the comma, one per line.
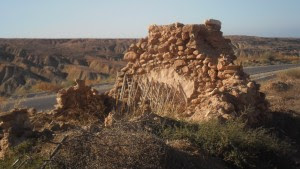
[198, 62]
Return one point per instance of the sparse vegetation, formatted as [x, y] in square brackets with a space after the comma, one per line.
[117, 147]
[45, 86]
[133, 145]
[291, 73]
[267, 58]
[288, 84]
[235, 143]
[22, 156]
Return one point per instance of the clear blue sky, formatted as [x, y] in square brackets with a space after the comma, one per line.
[131, 18]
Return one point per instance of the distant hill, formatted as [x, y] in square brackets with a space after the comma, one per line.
[256, 46]
[24, 62]
[27, 62]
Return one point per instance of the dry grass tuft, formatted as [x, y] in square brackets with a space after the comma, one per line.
[283, 91]
[267, 58]
[115, 147]
[45, 86]
[291, 73]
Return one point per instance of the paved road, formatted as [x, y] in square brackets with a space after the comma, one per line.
[265, 69]
[46, 101]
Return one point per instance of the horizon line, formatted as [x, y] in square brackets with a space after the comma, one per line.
[40, 38]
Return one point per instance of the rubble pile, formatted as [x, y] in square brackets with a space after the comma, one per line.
[79, 101]
[77, 106]
[198, 60]
[14, 127]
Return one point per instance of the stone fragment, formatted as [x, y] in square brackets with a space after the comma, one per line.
[230, 72]
[130, 56]
[180, 53]
[185, 69]
[251, 84]
[196, 52]
[205, 69]
[220, 66]
[185, 36]
[207, 60]
[179, 42]
[232, 67]
[179, 63]
[167, 56]
[140, 71]
[181, 48]
[213, 24]
[142, 61]
[200, 56]
[163, 48]
[144, 56]
[191, 57]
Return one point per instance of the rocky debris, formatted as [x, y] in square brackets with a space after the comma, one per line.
[199, 61]
[79, 106]
[79, 101]
[15, 127]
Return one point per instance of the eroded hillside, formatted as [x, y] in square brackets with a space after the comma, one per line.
[180, 102]
[256, 46]
[252, 50]
[25, 62]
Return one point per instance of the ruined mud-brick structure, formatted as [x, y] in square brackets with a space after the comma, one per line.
[79, 101]
[198, 61]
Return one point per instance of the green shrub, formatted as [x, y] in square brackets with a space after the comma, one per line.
[235, 143]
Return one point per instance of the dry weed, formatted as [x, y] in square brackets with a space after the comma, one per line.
[45, 86]
[111, 148]
[283, 91]
[290, 74]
